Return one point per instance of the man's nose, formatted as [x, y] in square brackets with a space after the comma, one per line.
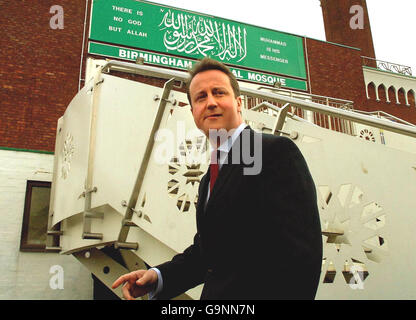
[211, 102]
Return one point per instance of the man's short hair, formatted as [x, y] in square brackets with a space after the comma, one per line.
[210, 64]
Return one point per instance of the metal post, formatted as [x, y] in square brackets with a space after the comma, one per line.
[146, 158]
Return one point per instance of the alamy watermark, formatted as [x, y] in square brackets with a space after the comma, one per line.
[356, 282]
[57, 280]
[248, 150]
[57, 20]
[357, 20]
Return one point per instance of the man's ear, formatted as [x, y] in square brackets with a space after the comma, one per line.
[239, 103]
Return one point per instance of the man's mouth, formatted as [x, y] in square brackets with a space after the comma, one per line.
[211, 116]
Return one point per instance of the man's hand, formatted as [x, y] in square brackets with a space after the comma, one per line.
[137, 283]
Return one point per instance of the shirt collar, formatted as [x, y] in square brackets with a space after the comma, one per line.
[225, 147]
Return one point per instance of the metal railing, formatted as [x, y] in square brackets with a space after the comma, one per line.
[274, 98]
[325, 121]
[385, 115]
[328, 101]
[386, 66]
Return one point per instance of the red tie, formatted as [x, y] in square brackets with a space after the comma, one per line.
[213, 175]
[213, 167]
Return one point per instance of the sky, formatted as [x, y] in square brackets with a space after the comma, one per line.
[392, 22]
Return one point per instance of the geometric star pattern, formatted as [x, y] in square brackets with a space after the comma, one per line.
[185, 174]
[352, 229]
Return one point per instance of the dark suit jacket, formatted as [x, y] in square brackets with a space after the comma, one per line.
[259, 236]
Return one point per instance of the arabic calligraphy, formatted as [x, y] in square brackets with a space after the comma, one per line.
[202, 36]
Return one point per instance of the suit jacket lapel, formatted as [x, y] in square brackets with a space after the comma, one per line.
[203, 192]
[228, 168]
[223, 176]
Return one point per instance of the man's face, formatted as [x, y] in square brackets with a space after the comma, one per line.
[214, 105]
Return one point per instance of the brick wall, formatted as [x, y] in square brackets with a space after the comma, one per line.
[39, 70]
[336, 71]
[400, 110]
[39, 73]
[337, 17]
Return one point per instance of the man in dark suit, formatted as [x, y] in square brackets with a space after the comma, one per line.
[258, 227]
